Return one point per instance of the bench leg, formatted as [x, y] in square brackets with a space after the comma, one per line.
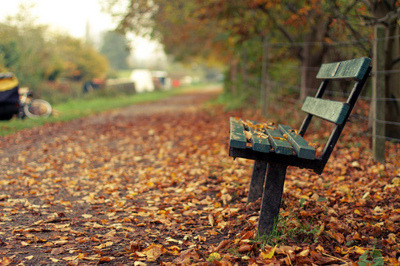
[272, 196]
[257, 181]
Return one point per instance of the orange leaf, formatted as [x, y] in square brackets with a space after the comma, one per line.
[154, 251]
[245, 248]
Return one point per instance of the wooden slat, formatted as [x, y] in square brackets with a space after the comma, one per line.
[280, 145]
[300, 145]
[260, 143]
[355, 68]
[332, 111]
[237, 138]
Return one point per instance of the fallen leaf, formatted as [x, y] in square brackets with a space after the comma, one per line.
[270, 254]
[245, 248]
[154, 251]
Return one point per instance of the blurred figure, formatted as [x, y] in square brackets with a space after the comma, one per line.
[9, 96]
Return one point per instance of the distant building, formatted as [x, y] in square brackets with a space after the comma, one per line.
[143, 80]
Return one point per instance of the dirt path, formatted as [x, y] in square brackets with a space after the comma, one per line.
[90, 190]
[29, 141]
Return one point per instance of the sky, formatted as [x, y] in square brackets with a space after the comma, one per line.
[72, 16]
[69, 16]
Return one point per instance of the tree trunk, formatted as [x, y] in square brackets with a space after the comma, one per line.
[233, 76]
[243, 68]
[309, 66]
[265, 89]
[312, 57]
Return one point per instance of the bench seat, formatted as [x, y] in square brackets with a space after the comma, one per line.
[267, 138]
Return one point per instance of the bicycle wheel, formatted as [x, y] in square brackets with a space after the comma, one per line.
[38, 108]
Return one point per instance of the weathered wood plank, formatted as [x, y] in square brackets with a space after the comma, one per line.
[260, 141]
[278, 142]
[237, 138]
[332, 111]
[300, 145]
[355, 68]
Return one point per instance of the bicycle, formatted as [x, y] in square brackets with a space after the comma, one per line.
[32, 108]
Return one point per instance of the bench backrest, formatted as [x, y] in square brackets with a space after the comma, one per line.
[335, 111]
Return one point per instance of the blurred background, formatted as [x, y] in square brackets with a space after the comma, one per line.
[266, 52]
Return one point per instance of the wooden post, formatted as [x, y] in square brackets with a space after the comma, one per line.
[272, 196]
[257, 181]
[378, 93]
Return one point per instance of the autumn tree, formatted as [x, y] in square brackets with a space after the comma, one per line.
[24, 50]
[80, 60]
[35, 54]
[115, 47]
[234, 32]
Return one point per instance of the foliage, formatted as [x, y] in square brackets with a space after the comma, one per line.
[24, 51]
[233, 31]
[80, 60]
[116, 49]
[35, 54]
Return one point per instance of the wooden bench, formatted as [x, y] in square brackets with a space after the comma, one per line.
[274, 148]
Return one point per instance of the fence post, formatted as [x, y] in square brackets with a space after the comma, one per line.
[378, 93]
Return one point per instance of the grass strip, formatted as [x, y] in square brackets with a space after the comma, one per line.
[86, 106]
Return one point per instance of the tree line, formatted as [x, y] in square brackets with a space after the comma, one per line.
[35, 54]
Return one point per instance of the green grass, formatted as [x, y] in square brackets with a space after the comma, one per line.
[88, 105]
[124, 73]
[287, 230]
[231, 102]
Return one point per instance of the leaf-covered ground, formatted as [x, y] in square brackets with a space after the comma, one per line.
[153, 184]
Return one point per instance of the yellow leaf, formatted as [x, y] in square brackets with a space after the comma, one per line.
[359, 250]
[29, 257]
[357, 212]
[341, 178]
[270, 254]
[320, 249]
[174, 250]
[304, 253]
[279, 138]
[214, 256]
[211, 220]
